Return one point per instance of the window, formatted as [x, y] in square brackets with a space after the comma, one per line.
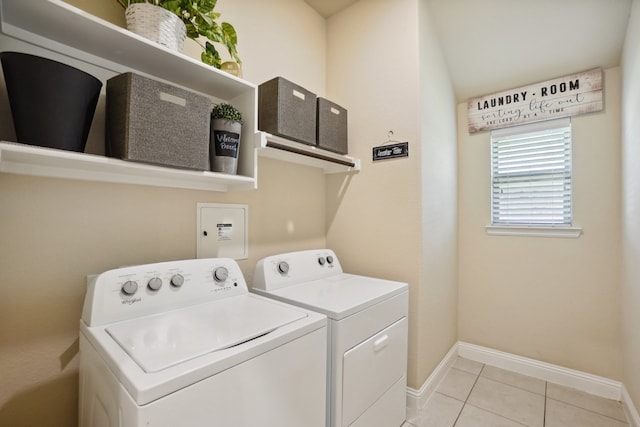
[531, 175]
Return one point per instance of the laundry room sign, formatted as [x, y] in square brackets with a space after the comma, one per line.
[562, 97]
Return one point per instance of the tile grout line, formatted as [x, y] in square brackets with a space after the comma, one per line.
[526, 390]
[497, 414]
[544, 414]
[546, 384]
[545, 404]
[505, 384]
[517, 386]
[589, 410]
[467, 398]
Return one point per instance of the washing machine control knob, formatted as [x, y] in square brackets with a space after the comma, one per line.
[155, 283]
[330, 259]
[283, 267]
[321, 260]
[130, 287]
[220, 274]
[177, 280]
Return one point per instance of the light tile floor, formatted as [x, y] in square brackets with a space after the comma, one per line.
[476, 395]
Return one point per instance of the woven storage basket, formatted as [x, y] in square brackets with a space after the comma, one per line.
[154, 122]
[288, 110]
[157, 24]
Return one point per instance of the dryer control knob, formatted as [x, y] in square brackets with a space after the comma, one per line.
[177, 280]
[321, 260]
[283, 267]
[155, 283]
[130, 287]
[220, 274]
[330, 259]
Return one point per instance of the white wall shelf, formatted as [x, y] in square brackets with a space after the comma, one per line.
[284, 149]
[56, 25]
[47, 162]
[67, 30]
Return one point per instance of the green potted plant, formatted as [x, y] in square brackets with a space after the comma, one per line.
[224, 140]
[199, 19]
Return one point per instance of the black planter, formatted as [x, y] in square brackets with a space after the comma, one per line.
[52, 104]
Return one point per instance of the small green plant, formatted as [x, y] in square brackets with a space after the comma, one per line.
[200, 19]
[226, 111]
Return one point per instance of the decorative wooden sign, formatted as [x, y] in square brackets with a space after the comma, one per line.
[391, 151]
[562, 97]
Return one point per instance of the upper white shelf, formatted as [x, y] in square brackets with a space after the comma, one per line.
[38, 161]
[67, 30]
[60, 27]
[57, 21]
[283, 149]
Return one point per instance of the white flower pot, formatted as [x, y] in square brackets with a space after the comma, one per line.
[157, 24]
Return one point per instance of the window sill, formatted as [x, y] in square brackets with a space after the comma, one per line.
[563, 232]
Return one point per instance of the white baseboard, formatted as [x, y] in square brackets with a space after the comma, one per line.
[589, 383]
[630, 410]
[416, 399]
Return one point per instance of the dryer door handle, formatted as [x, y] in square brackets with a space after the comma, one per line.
[381, 342]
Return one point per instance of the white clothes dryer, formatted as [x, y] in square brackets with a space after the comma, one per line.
[183, 343]
[367, 334]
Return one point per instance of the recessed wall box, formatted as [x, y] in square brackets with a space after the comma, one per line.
[222, 231]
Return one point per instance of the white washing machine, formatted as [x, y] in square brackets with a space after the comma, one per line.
[367, 335]
[184, 343]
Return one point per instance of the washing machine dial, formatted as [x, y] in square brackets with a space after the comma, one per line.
[283, 267]
[155, 283]
[220, 275]
[321, 260]
[177, 280]
[130, 287]
[330, 259]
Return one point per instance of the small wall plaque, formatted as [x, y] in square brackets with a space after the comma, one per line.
[391, 151]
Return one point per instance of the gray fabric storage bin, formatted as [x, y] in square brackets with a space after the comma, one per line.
[288, 110]
[154, 122]
[332, 127]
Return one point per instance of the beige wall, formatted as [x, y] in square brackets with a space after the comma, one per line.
[438, 327]
[373, 217]
[275, 38]
[385, 220]
[555, 300]
[54, 232]
[631, 206]
[279, 38]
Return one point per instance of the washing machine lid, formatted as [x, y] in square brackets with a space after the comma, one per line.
[340, 295]
[163, 340]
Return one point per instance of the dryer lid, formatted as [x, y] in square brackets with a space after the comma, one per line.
[340, 295]
[163, 340]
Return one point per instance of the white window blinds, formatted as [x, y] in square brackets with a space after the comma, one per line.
[531, 174]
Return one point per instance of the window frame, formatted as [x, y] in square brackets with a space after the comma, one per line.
[532, 228]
